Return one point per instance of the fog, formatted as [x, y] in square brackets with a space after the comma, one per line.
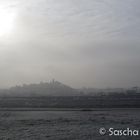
[93, 43]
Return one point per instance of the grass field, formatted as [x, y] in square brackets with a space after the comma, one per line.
[66, 125]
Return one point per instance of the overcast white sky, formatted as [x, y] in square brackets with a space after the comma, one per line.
[94, 43]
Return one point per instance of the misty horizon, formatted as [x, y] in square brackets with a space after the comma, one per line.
[82, 87]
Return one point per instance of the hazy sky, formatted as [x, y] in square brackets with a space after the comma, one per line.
[94, 43]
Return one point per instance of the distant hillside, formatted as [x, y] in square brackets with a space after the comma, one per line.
[57, 95]
[53, 88]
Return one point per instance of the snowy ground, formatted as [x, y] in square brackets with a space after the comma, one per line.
[66, 125]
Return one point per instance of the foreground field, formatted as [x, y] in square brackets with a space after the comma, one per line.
[66, 125]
